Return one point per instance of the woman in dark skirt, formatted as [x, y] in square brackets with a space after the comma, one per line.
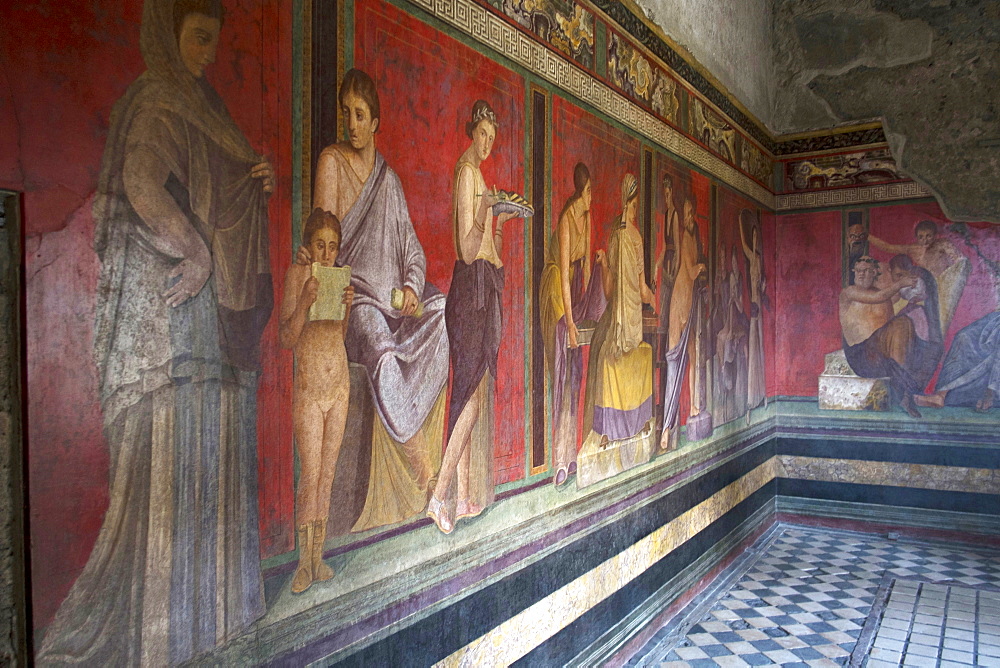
[474, 321]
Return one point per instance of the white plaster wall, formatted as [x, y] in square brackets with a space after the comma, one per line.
[732, 39]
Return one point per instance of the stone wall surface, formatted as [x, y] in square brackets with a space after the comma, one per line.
[929, 69]
[732, 40]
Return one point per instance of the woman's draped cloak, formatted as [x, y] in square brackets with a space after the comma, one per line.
[474, 316]
[405, 358]
[972, 365]
[620, 375]
[565, 365]
[176, 566]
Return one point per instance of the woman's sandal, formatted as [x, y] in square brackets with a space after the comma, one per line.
[436, 511]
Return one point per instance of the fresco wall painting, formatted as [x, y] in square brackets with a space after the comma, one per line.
[435, 92]
[740, 299]
[715, 131]
[841, 169]
[635, 75]
[565, 25]
[599, 89]
[949, 305]
[683, 229]
[542, 297]
[586, 203]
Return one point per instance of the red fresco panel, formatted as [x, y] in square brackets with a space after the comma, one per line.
[808, 282]
[768, 225]
[609, 154]
[427, 83]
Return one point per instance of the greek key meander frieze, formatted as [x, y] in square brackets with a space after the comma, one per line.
[885, 192]
[492, 31]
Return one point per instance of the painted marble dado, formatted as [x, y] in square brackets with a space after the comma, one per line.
[893, 474]
[526, 630]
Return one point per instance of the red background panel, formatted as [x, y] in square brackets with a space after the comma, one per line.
[768, 228]
[807, 288]
[427, 83]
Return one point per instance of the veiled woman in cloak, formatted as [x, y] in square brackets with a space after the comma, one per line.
[183, 296]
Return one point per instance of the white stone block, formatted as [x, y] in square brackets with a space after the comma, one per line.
[842, 389]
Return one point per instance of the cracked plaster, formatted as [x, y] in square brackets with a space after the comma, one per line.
[732, 40]
[929, 69]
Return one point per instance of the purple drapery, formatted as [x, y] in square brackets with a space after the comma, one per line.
[588, 304]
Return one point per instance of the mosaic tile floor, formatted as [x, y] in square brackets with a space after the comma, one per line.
[930, 624]
[805, 597]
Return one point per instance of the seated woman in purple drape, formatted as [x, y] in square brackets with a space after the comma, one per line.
[619, 397]
[403, 346]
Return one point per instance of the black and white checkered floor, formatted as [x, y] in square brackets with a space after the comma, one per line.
[806, 597]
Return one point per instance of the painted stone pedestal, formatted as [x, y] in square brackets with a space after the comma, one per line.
[842, 389]
[596, 461]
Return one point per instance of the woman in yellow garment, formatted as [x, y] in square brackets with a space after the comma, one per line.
[619, 399]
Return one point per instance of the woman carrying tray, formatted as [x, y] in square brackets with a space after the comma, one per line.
[474, 321]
